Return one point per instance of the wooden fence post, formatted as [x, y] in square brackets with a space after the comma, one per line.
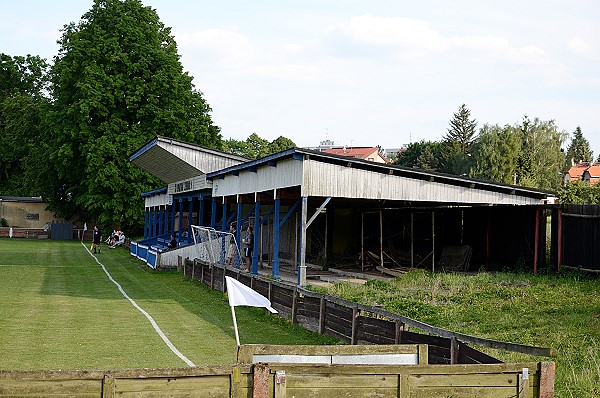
[280, 388]
[523, 389]
[294, 303]
[108, 386]
[454, 351]
[322, 308]
[355, 314]
[236, 382]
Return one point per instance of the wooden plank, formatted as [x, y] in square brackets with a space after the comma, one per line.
[463, 392]
[336, 392]
[470, 355]
[45, 388]
[461, 380]
[213, 383]
[350, 381]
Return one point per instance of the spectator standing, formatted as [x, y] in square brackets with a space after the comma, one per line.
[248, 248]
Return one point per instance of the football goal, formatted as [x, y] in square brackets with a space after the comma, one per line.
[216, 247]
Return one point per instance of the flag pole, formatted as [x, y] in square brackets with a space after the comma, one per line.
[237, 336]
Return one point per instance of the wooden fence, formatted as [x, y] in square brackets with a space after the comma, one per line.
[282, 380]
[580, 230]
[356, 323]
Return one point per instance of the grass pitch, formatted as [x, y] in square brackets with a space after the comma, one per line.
[60, 311]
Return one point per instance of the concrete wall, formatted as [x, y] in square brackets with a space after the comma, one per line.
[26, 214]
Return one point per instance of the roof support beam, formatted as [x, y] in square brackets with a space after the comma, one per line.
[318, 211]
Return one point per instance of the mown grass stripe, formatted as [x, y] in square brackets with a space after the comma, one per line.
[146, 314]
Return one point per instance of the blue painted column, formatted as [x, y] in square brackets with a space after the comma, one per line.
[201, 211]
[276, 228]
[180, 218]
[166, 227]
[152, 222]
[145, 223]
[213, 214]
[173, 211]
[190, 217]
[256, 240]
[224, 220]
[238, 223]
[161, 215]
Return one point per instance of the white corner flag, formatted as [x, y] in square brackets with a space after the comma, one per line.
[241, 295]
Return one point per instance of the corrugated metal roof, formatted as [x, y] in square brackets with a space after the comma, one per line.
[424, 175]
[171, 160]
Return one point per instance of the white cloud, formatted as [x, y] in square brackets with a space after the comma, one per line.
[231, 47]
[580, 47]
[412, 37]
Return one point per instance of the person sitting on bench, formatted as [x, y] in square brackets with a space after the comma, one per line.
[120, 239]
[173, 243]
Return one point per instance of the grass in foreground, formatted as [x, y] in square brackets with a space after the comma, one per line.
[60, 311]
[556, 311]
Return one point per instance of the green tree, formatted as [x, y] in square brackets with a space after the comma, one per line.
[495, 153]
[422, 155]
[456, 144]
[541, 159]
[255, 147]
[579, 192]
[281, 143]
[117, 82]
[579, 149]
[23, 83]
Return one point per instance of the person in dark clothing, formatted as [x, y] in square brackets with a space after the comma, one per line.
[173, 243]
[96, 240]
[248, 248]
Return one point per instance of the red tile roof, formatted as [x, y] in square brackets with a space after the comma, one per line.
[577, 171]
[366, 153]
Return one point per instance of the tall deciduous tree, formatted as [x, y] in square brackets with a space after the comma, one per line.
[579, 149]
[117, 83]
[456, 144]
[423, 155]
[255, 147]
[541, 159]
[496, 153]
[23, 84]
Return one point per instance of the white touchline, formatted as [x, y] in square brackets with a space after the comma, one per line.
[140, 309]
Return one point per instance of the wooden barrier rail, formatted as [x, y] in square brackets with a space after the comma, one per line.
[357, 323]
[282, 380]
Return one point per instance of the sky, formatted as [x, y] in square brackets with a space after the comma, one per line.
[365, 72]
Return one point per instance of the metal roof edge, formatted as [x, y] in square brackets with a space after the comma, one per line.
[157, 191]
[254, 163]
[159, 138]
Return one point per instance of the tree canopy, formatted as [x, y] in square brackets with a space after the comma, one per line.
[23, 83]
[255, 147]
[579, 149]
[117, 82]
[541, 159]
[496, 153]
[456, 144]
[422, 155]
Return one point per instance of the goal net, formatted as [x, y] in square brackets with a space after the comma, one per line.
[216, 247]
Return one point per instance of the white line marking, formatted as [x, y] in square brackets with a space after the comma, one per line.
[152, 321]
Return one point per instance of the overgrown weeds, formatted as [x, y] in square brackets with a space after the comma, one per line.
[556, 311]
